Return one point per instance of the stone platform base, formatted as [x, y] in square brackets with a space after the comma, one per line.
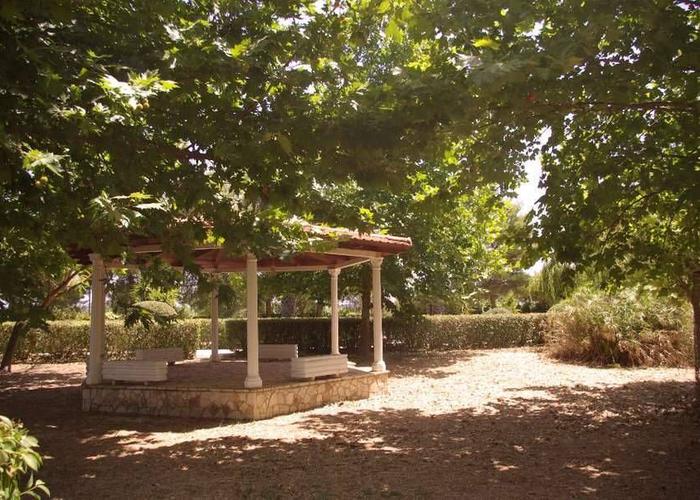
[237, 404]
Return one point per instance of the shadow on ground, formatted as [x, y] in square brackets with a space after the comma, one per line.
[31, 380]
[541, 441]
[435, 365]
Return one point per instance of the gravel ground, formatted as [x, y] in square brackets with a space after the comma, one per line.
[497, 424]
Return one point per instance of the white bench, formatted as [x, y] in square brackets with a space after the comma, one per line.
[310, 367]
[278, 351]
[169, 354]
[206, 354]
[135, 371]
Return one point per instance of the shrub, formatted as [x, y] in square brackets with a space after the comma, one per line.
[625, 328]
[150, 312]
[19, 460]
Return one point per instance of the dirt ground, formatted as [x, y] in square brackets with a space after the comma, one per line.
[503, 423]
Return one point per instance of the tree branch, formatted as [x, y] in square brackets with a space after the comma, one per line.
[676, 106]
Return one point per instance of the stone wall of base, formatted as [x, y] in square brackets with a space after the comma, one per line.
[238, 404]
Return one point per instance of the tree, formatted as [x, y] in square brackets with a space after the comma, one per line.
[503, 270]
[160, 115]
[621, 166]
[553, 283]
[615, 83]
[33, 278]
[147, 118]
[458, 234]
[150, 117]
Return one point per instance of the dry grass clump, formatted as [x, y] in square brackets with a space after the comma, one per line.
[626, 328]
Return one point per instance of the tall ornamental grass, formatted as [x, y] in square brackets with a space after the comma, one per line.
[625, 328]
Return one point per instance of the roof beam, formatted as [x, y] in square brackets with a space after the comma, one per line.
[157, 248]
[350, 263]
[353, 252]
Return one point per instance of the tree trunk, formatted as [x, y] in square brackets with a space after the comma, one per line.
[492, 300]
[21, 327]
[695, 301]
[365, 339]
[18, 330]
[268, 307]
[319, 308]
[288, 306]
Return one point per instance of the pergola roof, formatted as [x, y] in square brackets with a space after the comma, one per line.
[342, 248]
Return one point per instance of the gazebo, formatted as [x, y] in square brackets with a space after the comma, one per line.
[196, 391]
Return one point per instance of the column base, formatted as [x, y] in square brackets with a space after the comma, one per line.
[93, 376]
[379, 366]
[252, 382]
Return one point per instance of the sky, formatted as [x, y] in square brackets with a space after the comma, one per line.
[528, 193]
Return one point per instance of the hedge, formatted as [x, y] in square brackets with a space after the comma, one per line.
[68, 340]
[427, 333]
[311, 334]
[476, 331]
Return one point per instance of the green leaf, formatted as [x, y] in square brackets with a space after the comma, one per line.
[29, 442]
[139, 196]
[34, 158]
[240, 48]
[31, 459]
[150, 206]
[384, 6]
[167, 85]
[488, 43]
[41, 486]
[285, 143]
[393, 31]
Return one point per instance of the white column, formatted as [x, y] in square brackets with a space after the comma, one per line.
[378, 365]
[335, 343]
[252, 379]
[215, 323]
[97, 320]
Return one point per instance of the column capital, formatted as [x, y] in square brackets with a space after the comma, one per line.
[376, 262]
[251, 257]
[334, 272]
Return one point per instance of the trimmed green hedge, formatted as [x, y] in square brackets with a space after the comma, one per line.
[475, 331]
[311, 334]
[68, 340]
[428, 333]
